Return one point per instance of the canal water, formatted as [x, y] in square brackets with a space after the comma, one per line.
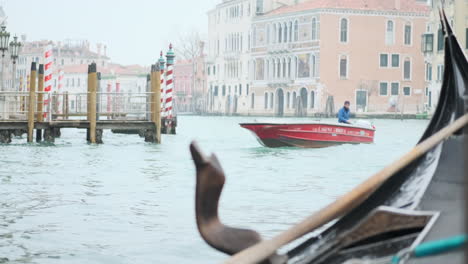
[127, 201]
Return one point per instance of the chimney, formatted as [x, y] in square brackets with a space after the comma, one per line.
[397, 4]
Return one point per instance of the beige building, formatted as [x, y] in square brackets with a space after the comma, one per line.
[433, 43]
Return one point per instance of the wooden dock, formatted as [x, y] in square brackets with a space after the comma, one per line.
[142, 116]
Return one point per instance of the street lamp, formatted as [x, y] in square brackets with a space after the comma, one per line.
[15, 46]
[4, 38]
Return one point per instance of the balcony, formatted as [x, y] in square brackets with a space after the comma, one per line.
[275, 83]
[232, 55]
[280, 48]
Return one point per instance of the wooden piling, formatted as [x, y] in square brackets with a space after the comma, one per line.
[91, 98]
[32, 101]
[156, 102]
[40, 101]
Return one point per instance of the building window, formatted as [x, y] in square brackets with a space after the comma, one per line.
[408, 34]
[252, 101]
[314, 29]
[266, 101]
[313, 66]
[224, 90]
[271, 100]
[344, 30]
[390, 33]
[343, 67]
[428, 72]
[290, 32]
[296, 31]
[240, 89]
[312, 99]
[275, 30]
[209, 70]
[215, 93]
[254, 37]
[395, 60]
[383, 88]
[78, 82]
[407, 91]
[395, 88]
[288, 99]
[383, 60]
[407, 69]
[428, 42]
[268, 34]
[440, 40]
[440, 72]
[294, 99]
[285, 31]
[247, 89]
[280, 33]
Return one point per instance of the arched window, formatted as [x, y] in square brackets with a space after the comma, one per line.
[314, 29]
[289, 67]
[290, 32]
[254, 36]
[275, 30]
[294, 99]
[284, 68]
[344, 30]
[252, 101]
[285, 35]
[313, 64]
[280, 33]
[266, 100]
[312, 99]
[343, 67]
[268, 34]
[390, 33]
[271, 100]
[267, 69]
[288, 98]
[408, 33]
[296, 31]
[278, 68]
[295, 67]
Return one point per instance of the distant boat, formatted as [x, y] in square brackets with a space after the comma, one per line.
[310, 135]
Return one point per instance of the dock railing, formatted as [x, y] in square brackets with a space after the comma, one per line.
[91, 109]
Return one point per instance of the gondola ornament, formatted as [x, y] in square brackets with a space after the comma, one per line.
[391, 211]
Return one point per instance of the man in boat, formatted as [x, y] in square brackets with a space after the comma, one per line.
[343, 114]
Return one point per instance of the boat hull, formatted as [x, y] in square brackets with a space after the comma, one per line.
[313, 135]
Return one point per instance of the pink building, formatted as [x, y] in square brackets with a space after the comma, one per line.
[311, 57]
[183, 92]
[190, 84]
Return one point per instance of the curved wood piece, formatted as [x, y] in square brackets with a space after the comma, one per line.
[210, 182]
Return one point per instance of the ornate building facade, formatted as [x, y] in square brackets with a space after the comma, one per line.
[308, 58]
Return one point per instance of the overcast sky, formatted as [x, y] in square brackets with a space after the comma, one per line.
[133, 30]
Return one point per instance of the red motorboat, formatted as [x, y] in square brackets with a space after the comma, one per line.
[310, 135]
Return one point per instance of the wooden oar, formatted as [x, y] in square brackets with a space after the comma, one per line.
[263, 250]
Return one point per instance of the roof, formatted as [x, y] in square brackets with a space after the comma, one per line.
[367, 5]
